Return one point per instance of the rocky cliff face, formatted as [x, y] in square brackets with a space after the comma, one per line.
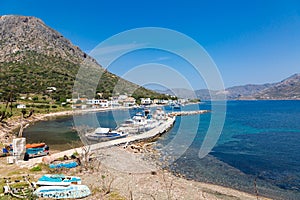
[19, 34]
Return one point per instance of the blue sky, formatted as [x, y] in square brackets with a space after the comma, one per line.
[250, 41]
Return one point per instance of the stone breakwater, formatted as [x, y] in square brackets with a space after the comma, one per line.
[184, 113]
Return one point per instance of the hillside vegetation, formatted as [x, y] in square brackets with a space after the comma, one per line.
[33, 57]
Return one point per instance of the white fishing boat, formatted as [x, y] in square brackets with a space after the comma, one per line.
[103, 134]
[63, 192]
[137, 120]
[140, 123]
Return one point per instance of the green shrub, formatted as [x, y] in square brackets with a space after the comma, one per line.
[36, 168]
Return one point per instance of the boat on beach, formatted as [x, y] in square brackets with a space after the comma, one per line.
[63, 192]
[35, 145]
[36, 152]
[31, 150]
[58, 180]
[67, 165]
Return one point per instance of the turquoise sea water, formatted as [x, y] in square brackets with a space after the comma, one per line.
[260, 143]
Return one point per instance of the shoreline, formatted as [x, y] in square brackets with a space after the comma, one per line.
[207, 190]
[11, 125]
[143, 176]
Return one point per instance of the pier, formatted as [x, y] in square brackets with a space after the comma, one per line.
[146, 136]
[184, 113]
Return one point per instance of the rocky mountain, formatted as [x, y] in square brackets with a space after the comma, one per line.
[34, 56]
[248, 90]
[20, 34]
[287, 89]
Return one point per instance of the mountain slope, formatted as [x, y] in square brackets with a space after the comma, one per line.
[245, 90]
[33, 57]
[287, 89]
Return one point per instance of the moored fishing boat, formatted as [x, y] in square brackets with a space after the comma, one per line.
[140, 123]
[103, 134]
[58, 180]
[63, 192]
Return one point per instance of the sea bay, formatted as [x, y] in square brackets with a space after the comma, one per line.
[259, 145]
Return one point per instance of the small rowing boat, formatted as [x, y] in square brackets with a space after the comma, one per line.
[68, 165]
[58, 180]
[62, 192]
[35, 145]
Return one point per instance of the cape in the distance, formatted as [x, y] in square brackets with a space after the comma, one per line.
[287, 89]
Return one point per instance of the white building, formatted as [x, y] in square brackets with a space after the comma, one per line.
[160, 101]
[51, 89]
[130, 101]
[122, 97]
[146, 101]
[102, 103]
[21, 106]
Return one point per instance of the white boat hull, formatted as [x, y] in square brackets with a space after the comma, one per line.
[61, 192]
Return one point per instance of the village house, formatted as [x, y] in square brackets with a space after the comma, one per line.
[129, 101]
[97, 103]
[113, 102]
[160, 101]
[146, 101]
[51, 89]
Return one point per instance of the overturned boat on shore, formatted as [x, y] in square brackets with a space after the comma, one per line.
[63, 192]
[58, 180]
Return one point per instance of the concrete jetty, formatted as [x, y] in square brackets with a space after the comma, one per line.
[183, 113]
[146, 136]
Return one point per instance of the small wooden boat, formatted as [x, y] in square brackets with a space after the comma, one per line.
[62, 192]
[35, 145]
[37, 151]
[58, 180]
[68, 165]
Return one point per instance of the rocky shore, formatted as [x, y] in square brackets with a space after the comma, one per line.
[126, 172]
[132, 176]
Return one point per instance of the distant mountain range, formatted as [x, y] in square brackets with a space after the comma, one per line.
[34, 56]
[288, 88]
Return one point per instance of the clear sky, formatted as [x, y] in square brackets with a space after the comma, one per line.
[250, 41]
